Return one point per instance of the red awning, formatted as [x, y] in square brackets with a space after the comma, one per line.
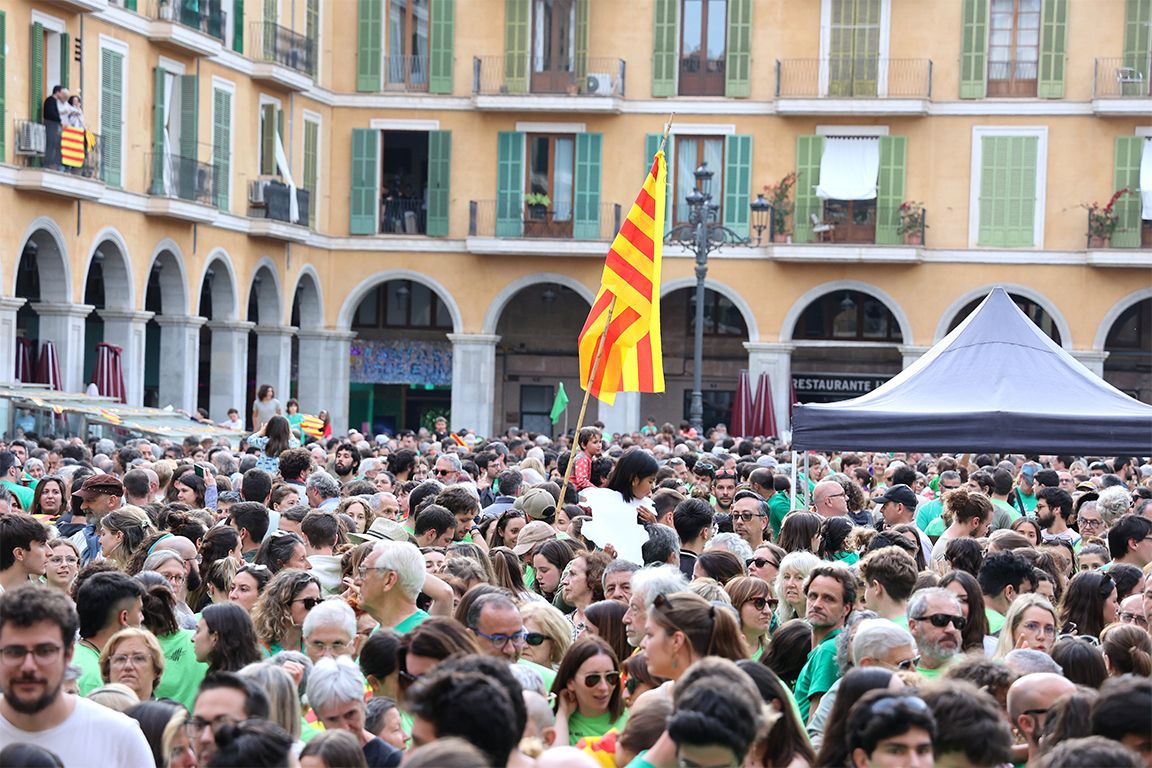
[48, 371]
[109, 373]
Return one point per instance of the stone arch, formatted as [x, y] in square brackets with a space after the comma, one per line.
[224, 286]
[266, 285]
[52, 264]
[714, 285]
[1044, 303]
[1114, 313]
[173, 278]
[119, 283]
[310, 298]
[357, 294]
[788, 327]
[500, 301]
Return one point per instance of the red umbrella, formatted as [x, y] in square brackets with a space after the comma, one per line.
[765, 411]
[24, 370]
[109, 375]
[742, 408]
[48, 371]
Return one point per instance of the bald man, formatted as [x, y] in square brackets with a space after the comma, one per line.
[1029, 700]
[829, 499]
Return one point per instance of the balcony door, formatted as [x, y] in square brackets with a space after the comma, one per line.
[1013, 47]
[703, 34]
[407, 57]
[691, 153]
[551, 173]
[553, 46]
[854, 48]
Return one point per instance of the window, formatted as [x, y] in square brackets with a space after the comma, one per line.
[271, 127]
[222, 146]
[1013, 47]
[691, 153]
[849, 316]
[717, 405]
[402, 304]
[703, 31]
[536, 408]
[854, 48]
[1132, 331]
[407, 57]
[721, 316]
[553, 45]
[404, 177]
[551, 173]
[1008, 177]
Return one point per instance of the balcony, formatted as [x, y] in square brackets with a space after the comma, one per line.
[547, 86]
[182, 188]
[283, 57]
[196, 27]
[849, 231]
[514, 234]
[1122, 86]
[81, 6]
[270, 211]
[403, 216]
[870, 86]
[406, 74]
[80, 183]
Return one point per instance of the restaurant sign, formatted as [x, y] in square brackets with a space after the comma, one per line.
[810, 387]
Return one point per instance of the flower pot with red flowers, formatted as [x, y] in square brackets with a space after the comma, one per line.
[1102, 221]
[780, 197]
[911, 224]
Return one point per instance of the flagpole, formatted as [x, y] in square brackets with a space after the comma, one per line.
[584, 404]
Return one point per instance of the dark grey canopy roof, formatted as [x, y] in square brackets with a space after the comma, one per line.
[996, 383]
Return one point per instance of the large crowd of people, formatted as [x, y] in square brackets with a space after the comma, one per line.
[652, 600]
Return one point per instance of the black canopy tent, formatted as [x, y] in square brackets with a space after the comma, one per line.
[995, 383]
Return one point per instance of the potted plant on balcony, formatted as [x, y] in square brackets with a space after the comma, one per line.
[1102, 221]
[537, 203]
[911, 225]
[780, 196]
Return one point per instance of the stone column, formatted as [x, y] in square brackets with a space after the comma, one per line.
[1091, 359]
[274, 358]
[317, 368]
[622, 417]
[8, 309]
[473, 381]
[64, 324]
[911, 354]
[127, 330]
[229, 368]
[775, 359]
[334, 369]
[179, 360]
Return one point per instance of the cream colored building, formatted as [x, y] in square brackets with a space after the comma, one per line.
[419, 272]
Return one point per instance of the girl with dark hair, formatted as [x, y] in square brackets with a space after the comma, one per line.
[967, 591]
[718, 564]
[283, 549]
[504, 530]
[789, 649]
[280, 611]
[189, 488]
[964, 554]
[605, 620]
[548, 563]
[274, 437]
[215, 583]
[637, 678]
[225, 639]
[1089, 604]
[856, 683]
[248, 584]
[338, 749]
[587, 691]
[684, 628]
[49, 498]
[1082, 662]
[509, 573]
[799, 531]
[1127, 650]
[716, 718]
[634, 474]
[221, 541]
[786, 743]
[833, 537]
[182, 671]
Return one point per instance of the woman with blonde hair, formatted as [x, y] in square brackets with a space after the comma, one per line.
[283, 698]
[133, 657]
[549, 633]
[1030, 623]
[794, 570]
[121, 532]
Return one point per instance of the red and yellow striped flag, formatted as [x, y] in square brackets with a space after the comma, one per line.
[632, 360]
[72, 147]
[312, 426]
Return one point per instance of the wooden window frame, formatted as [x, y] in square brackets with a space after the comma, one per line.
[1013, 86]
[709, 79]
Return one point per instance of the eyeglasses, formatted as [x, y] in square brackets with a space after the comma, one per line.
[1090, 639]
[43, 653]
[320, 646]
[1035, 627]
[593, 680]
[499, 641]
[177, 579]
[1035, 711]
[58, 559]
[535, 638]
[908, 664]
[1133, 618]
[949, 487]
[443, 472]
[760, 603]
[364, 569]
[760, 562]
[941, 620]
[745, 516]
[124, 659]
[309, 602]
[835, 495]
[1087, 522]
[197, 724]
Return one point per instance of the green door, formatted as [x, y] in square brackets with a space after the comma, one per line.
[1053, 41]
[516, 39]
[738, 63]
[36, 73]
[890, 189]
[854, 48]
[974, 50]
[221, 147]
[441, 56]
[1138, 45]
[809, 150]
[737, 183]
[510, 184]
[651, 147]
[1129, 153]
[187, 166]
[586, 224]
[439, 181]
[370, 38]
[665, 49]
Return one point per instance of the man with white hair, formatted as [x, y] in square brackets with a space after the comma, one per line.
[730, 542]
[935, 621]
[330, 631]
[322, 490]
[336, 693]
[390, 580]
[647, 585]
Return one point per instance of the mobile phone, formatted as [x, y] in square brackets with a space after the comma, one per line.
[199, 470]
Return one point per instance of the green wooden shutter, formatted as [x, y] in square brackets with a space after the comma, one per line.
[582, 43]
[311, 166]
[36, 73]
[3, 86]
[665, 48]
[1138, 44]
[370, 57]
[866, 48]
[364, 200]
[188, 168]
[809, 150]
[517, 14]
[160, 81]
[586, 225]
[111, 112]
[890, 189]
[651, 147]
[271, 19]
[442, 46]
[1053, 41]
[738, 53]
[268, 140]
[131, 4]
[1129, 153]
[66, 60]
[974, 50]
[510, 184]
[1008, 191]
[222, 147]
[237, 25]
[439, 182]
[737, 183]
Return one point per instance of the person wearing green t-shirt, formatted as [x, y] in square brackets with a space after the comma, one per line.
[1003, 576]
[587, 689]
[392, 576]
[831, 595]
[935, 620]
[182, 672]
[106, 603]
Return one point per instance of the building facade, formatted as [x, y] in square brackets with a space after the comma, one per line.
[398, 208]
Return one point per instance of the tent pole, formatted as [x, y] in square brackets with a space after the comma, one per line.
[807, 481]
[792, 501]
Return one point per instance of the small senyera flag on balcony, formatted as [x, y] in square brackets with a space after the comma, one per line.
[628, 303]
[72, 143]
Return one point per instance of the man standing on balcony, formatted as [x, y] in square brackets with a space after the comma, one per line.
[52, 126]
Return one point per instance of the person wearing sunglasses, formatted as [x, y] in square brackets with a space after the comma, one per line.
[935, 621]
[754, 600]
[280, 611]
[749, 516]
[587, 690]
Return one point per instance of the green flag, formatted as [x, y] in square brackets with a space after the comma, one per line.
[560, 404]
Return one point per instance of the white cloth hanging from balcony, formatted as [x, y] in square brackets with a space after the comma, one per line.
[849, 168]
[1146, 181]
[286, 174]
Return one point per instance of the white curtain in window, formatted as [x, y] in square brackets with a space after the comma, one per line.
[282, 167]
[562, 205]
[849, 169]
[1146, 181]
